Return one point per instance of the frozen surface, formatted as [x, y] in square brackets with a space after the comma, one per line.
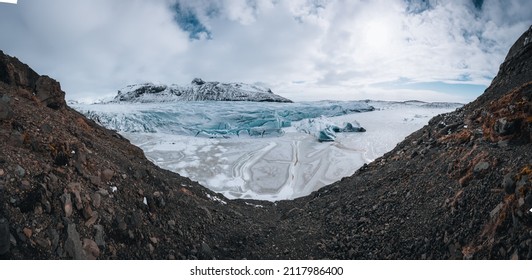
[287, 163]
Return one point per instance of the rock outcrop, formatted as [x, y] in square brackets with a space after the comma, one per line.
[43, 88]
[459, 188]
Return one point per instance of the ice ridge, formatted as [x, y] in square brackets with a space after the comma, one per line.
[227, 119]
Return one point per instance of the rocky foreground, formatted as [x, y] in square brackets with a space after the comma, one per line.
[459, 188]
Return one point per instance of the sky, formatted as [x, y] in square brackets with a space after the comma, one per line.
[302, 49]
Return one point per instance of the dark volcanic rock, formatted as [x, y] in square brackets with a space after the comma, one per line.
[5, 109]
[73, 246]
[508, 183]
[49, 92]
[445, 192]
[4, 236]
[15, 73]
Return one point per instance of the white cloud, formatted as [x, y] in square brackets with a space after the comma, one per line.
[332, 48]
[94, 46]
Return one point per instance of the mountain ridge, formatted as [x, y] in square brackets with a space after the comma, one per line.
[198, 90]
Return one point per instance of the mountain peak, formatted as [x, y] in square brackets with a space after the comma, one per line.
[197, 81]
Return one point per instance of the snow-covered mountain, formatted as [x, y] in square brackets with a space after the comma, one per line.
[198, 90]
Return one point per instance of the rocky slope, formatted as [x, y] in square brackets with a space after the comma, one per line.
[459, 188]
[72, 189]
[198, 90]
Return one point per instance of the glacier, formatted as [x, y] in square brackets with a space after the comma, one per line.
[224, 119]
[265, 151]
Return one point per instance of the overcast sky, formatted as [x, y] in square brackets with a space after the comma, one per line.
[302, 49]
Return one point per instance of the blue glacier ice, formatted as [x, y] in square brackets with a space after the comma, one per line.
[219, 119]
[325, 130]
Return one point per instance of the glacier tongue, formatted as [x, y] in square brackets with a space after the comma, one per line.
[226, 119]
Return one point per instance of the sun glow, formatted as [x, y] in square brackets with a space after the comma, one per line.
[377, 35]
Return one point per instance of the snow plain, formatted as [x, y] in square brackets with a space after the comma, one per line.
[284, 165]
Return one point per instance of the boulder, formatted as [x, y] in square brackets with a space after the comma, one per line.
[73, 246]
[49, 92]
[5, 109]
[4, 236]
